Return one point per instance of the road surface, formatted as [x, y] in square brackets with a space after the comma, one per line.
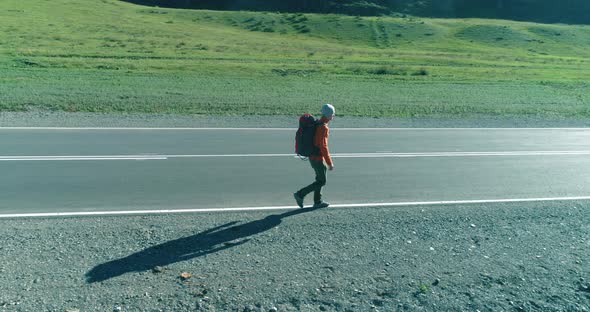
[55, 170]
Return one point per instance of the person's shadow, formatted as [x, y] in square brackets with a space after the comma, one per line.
[210, 241]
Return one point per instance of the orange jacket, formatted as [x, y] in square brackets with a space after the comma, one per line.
[321, 141]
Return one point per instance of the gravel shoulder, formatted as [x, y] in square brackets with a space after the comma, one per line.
[500, 257]
[63, 119]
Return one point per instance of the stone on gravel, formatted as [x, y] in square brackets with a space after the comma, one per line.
[185, 275]
[249, 308]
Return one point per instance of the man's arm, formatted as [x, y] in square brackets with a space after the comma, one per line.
[323, 145]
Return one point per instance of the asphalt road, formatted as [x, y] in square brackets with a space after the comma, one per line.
[76, 170]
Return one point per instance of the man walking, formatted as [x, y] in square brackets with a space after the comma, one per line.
[317, 160]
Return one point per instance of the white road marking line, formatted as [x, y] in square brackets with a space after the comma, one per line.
[461, 154]
[401, 155]
[78, 158]
[246, 209]
[336, 155]
[274, 129]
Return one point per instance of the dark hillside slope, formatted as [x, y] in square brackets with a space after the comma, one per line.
[543, 11]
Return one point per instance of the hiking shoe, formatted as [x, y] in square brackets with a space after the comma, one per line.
[320, 205]
[298, 199]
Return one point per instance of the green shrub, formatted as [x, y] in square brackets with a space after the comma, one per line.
[386, 70]
[421, 72]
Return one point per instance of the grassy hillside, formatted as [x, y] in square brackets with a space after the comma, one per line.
[114, 56]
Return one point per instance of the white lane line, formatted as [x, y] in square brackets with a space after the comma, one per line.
[78, 158]
[143, 128]
[461, 154]
[275, 129]
[247, 209]
[400, 155]
[336, 155]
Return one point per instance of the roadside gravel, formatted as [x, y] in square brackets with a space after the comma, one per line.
[63, 119]
[500, 257]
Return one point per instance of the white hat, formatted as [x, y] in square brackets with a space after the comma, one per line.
[328, 110]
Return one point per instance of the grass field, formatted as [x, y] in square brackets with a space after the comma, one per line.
[111, 56]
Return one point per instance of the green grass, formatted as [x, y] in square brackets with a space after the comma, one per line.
[81, 90]
[111, 56]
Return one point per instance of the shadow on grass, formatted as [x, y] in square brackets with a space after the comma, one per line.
[207, 242]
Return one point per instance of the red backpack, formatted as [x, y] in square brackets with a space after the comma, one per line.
[305, 136]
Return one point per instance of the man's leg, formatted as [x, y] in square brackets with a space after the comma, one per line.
[320, 180]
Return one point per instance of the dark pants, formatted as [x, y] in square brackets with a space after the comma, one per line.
[320, 180]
